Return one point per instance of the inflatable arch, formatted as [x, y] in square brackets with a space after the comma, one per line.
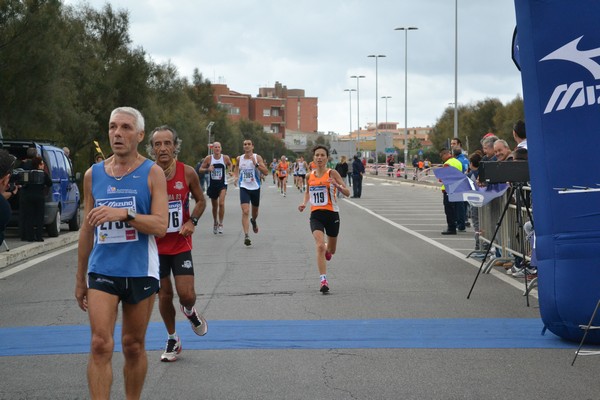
[559, 56]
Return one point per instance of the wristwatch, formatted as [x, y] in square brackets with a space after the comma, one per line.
[194, 220]
[131, 214]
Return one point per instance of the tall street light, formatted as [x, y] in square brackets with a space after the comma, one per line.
[357, 111]
[350, 99]
[406, 29]
[456, 69]
[386, 100]
[376, 57]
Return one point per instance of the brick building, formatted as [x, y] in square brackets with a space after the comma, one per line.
[276, 108]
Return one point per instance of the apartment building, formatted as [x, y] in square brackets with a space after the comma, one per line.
[276, 108]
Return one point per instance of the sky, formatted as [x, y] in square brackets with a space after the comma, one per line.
[316, 45]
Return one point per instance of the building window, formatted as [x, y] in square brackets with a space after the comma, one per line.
[275, 128]
[234, 111]
[266, 112]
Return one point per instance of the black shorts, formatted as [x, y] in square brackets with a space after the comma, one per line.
[303, 176]
[179, 264]
[128, 290]
[326, 221]
[250, 196]
[214, 191]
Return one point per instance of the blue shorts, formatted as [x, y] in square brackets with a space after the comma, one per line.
[128, 290]
[250, 196]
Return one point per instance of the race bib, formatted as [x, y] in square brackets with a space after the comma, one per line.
[319, 195]
[216, 174]
[248, 175]
[117, 231]
[283, 172]
[175, 216]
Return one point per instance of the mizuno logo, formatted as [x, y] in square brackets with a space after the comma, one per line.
[577, 94]
[570, 52]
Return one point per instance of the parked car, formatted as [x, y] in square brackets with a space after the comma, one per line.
[63, 199]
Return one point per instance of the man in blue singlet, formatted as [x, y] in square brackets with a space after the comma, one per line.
[125, 199]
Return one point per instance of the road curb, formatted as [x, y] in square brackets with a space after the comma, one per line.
[22, 253]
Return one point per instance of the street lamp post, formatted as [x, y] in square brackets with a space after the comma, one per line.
[357, 111]
[456, 69]
[406, 29]
[386, 100]
[208, 128]
[350, 99]
[376, 57]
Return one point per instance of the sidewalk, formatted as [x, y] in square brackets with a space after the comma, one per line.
[19, 251]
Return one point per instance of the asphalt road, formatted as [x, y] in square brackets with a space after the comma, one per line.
[397, 323]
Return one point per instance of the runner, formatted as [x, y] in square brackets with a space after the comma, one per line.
[283, 169]
[274, 172]
[125, 200]
[175, 249]
[302, 169]
[249, 165]
[323, 184]
[216, 166]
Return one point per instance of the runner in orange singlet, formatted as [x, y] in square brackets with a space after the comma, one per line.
[283, 169]
[323, 184]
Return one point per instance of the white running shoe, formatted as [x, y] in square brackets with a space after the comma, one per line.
[220, 229]
[199, 325]
[172, 349]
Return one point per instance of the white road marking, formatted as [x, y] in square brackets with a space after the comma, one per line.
[502, 276]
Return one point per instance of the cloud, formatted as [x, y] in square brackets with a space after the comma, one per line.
[316, 45]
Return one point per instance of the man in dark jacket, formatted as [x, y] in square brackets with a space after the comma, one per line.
[358, 169]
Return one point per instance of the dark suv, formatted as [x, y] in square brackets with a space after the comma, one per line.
[63, 199]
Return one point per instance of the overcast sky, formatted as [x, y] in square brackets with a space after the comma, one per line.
[316, 45]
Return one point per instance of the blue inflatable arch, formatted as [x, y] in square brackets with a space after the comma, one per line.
[559, 55]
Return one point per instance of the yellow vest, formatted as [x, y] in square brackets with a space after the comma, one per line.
[453, 162]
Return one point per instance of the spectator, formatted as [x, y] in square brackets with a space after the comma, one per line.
[449, 208]
[455, 143]
[98, 158]
[473, 174]
[67, 151]
[520, 135]
[342, 168]
[7, 163]
[501, 150]
[358, 169]
[460, 207]
[487, 144]
[33, 205]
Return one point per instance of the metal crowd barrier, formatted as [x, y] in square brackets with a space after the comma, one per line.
[508, 239]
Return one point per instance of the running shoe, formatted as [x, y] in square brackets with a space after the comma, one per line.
[199, 324]
[521, 272]
[284, 194]
[247, 241]
[254, 226]
[328, 255]
[172, 349]
[215, 228]
[220, 229]
[324, 286]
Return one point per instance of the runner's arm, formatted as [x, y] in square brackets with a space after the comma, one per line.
[85, 243]
[261, 165]
[194, 184]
